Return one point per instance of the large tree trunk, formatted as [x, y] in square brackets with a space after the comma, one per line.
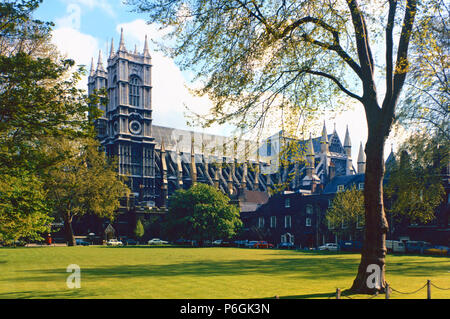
[69, 231]
[376, 226]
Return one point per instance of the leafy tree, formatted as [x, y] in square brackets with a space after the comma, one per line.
[252, 54]
[83, 182]
[415, 187]
[201, 213]
[23, 210]
[37, 100]
[139, 230]
[346, 214]
[426, 103]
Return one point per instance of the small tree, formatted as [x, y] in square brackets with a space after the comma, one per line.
[83, 182]
[415, 187]
[346, 214]
[139, 230]
[201, 213]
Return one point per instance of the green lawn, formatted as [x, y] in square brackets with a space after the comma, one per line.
[145, 272]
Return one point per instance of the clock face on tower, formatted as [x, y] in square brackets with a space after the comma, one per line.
[135, 127]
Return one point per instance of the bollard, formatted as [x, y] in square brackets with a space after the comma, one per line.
[338, 293]
[387, 291]
[428, 289]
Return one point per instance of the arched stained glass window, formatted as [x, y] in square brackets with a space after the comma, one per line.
[134, 91]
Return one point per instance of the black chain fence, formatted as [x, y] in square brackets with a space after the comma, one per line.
[390, 290]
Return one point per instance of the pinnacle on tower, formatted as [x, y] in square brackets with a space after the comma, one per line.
[92, 67]
[111, 52]
[324, 134]
[100, 62]
[361, 155]
[122, 47]
[347, 141]
[361, 160]
[146, 52]
[135, 49]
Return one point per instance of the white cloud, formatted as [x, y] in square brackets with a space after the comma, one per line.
[77, 46]
[170, 95]
[104, 5]
[72, 19]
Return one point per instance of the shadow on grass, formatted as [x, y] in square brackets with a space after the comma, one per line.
[39, 294]
[312, 268]
[304, 267]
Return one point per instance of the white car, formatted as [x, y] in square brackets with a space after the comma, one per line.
[114, 242]
[217, 242]
[157, 241]
[329, 246]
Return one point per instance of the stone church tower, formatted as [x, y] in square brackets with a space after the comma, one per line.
[125, 128]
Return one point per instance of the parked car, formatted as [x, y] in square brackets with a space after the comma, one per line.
[262, 244]
[350, 245]
[240, 243]
[185, 242]
[286, 245]
[395, 246]
[417, 246]
[157, 241]
[217, 242]
[436, 250]
[114, 242]
[329, 247]
[130, 241]
[251, 243]
[81, 242]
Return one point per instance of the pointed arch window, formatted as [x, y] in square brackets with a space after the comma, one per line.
[135, 87]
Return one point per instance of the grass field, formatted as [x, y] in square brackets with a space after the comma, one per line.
[205, 273]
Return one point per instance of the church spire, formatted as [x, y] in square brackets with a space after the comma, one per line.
[146, 52]
[361, 160]
[324, 134]
[111, 51]
[324, 140]
[100, 62]
[348, 143]
[122, 42]
[92, 67]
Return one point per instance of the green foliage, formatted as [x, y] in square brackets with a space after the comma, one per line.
[39, 103]
[426, 104]
[84, 181]
[23, 211]
[415, 188]
[139, 229]
[346, 214]
[201, 213]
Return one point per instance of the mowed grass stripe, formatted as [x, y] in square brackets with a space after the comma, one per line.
[179, 273]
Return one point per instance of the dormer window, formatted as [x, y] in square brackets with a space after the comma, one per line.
[361, 186]
[340, 188]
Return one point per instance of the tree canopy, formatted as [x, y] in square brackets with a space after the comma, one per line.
[414, 186]
[346, 214]
[201, 213]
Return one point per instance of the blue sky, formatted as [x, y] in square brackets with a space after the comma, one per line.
[83, 27]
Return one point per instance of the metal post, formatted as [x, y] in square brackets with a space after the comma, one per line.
[388, 292]
[338, 293]
[428, 289]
